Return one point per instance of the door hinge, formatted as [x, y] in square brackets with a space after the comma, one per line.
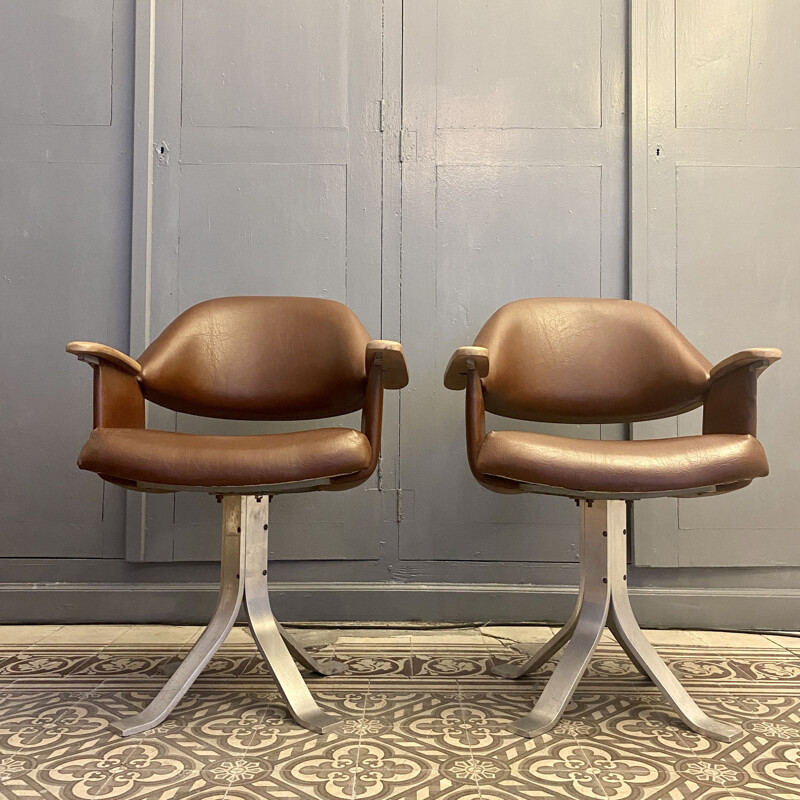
[408, 145]
[381, 113]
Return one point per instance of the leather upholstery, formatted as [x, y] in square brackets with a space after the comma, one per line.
[639, 467]
[599, 360]
[244, 358]
[184, 459]
[569, 359]
[222, 358]
[371, 425]
[118, 400]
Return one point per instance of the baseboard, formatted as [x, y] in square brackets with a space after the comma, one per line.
[738, 609]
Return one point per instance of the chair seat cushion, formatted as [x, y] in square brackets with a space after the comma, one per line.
[624, 467]
[185, 459]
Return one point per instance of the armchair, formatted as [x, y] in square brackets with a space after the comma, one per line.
[576, 360]
[256, 358]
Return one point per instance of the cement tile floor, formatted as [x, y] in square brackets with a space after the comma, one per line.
[424, 720]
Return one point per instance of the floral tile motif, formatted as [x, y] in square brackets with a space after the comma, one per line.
[421, 722]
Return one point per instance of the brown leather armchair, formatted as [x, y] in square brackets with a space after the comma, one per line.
[252, 358]
[575, 360]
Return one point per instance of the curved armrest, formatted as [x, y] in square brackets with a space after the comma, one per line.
[389, 356]
[118, 398]
[94, 352]
[761, 357]
[461, 362]
[730, 404]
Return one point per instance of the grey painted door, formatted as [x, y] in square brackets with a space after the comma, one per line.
[266, 179]
[64, 243]
[513, 185]
[716, 245]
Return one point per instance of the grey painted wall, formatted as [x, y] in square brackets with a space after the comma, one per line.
[422, 162]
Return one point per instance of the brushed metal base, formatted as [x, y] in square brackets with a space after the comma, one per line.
[245, 529]
[603, 600]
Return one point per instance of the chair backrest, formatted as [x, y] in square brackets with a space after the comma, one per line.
[261, 358]
[588, 360]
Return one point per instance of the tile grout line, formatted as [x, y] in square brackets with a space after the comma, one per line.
[247, 749]
[360, 737]
[472, 758]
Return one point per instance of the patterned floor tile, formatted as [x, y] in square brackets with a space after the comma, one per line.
[423, 718]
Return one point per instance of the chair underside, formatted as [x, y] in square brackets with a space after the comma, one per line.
[263, 489]
[699, 491]
[603, 600]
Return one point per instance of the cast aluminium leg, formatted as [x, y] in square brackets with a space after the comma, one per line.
[228, 603]
[647, 659]
[265, 628]
[588, 630]
[549, 648]
[605, 599]
[243, 575]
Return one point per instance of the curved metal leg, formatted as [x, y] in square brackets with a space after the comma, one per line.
[551, 647]
[228, 604]
[592, 615]
[265, 628]
[544, 653]
[604, 600]
[643, 654]
[302, 656]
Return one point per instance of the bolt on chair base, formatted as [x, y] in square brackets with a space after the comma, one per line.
[603, 600]
[245, 527]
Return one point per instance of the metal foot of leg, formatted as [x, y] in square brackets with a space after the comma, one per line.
[302, 656]
[265, 628]
[228, 604]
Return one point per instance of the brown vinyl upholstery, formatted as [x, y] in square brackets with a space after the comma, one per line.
[249, 358]
[264, 358]
[579, 360]
[657, 466]
[584, 360]
[161, 457]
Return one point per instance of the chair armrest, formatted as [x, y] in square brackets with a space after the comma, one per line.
[762, 357]
[371, 415]
[389, 356]
[118, 398]
[461, 362]
[93, 353]
[730, 402]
